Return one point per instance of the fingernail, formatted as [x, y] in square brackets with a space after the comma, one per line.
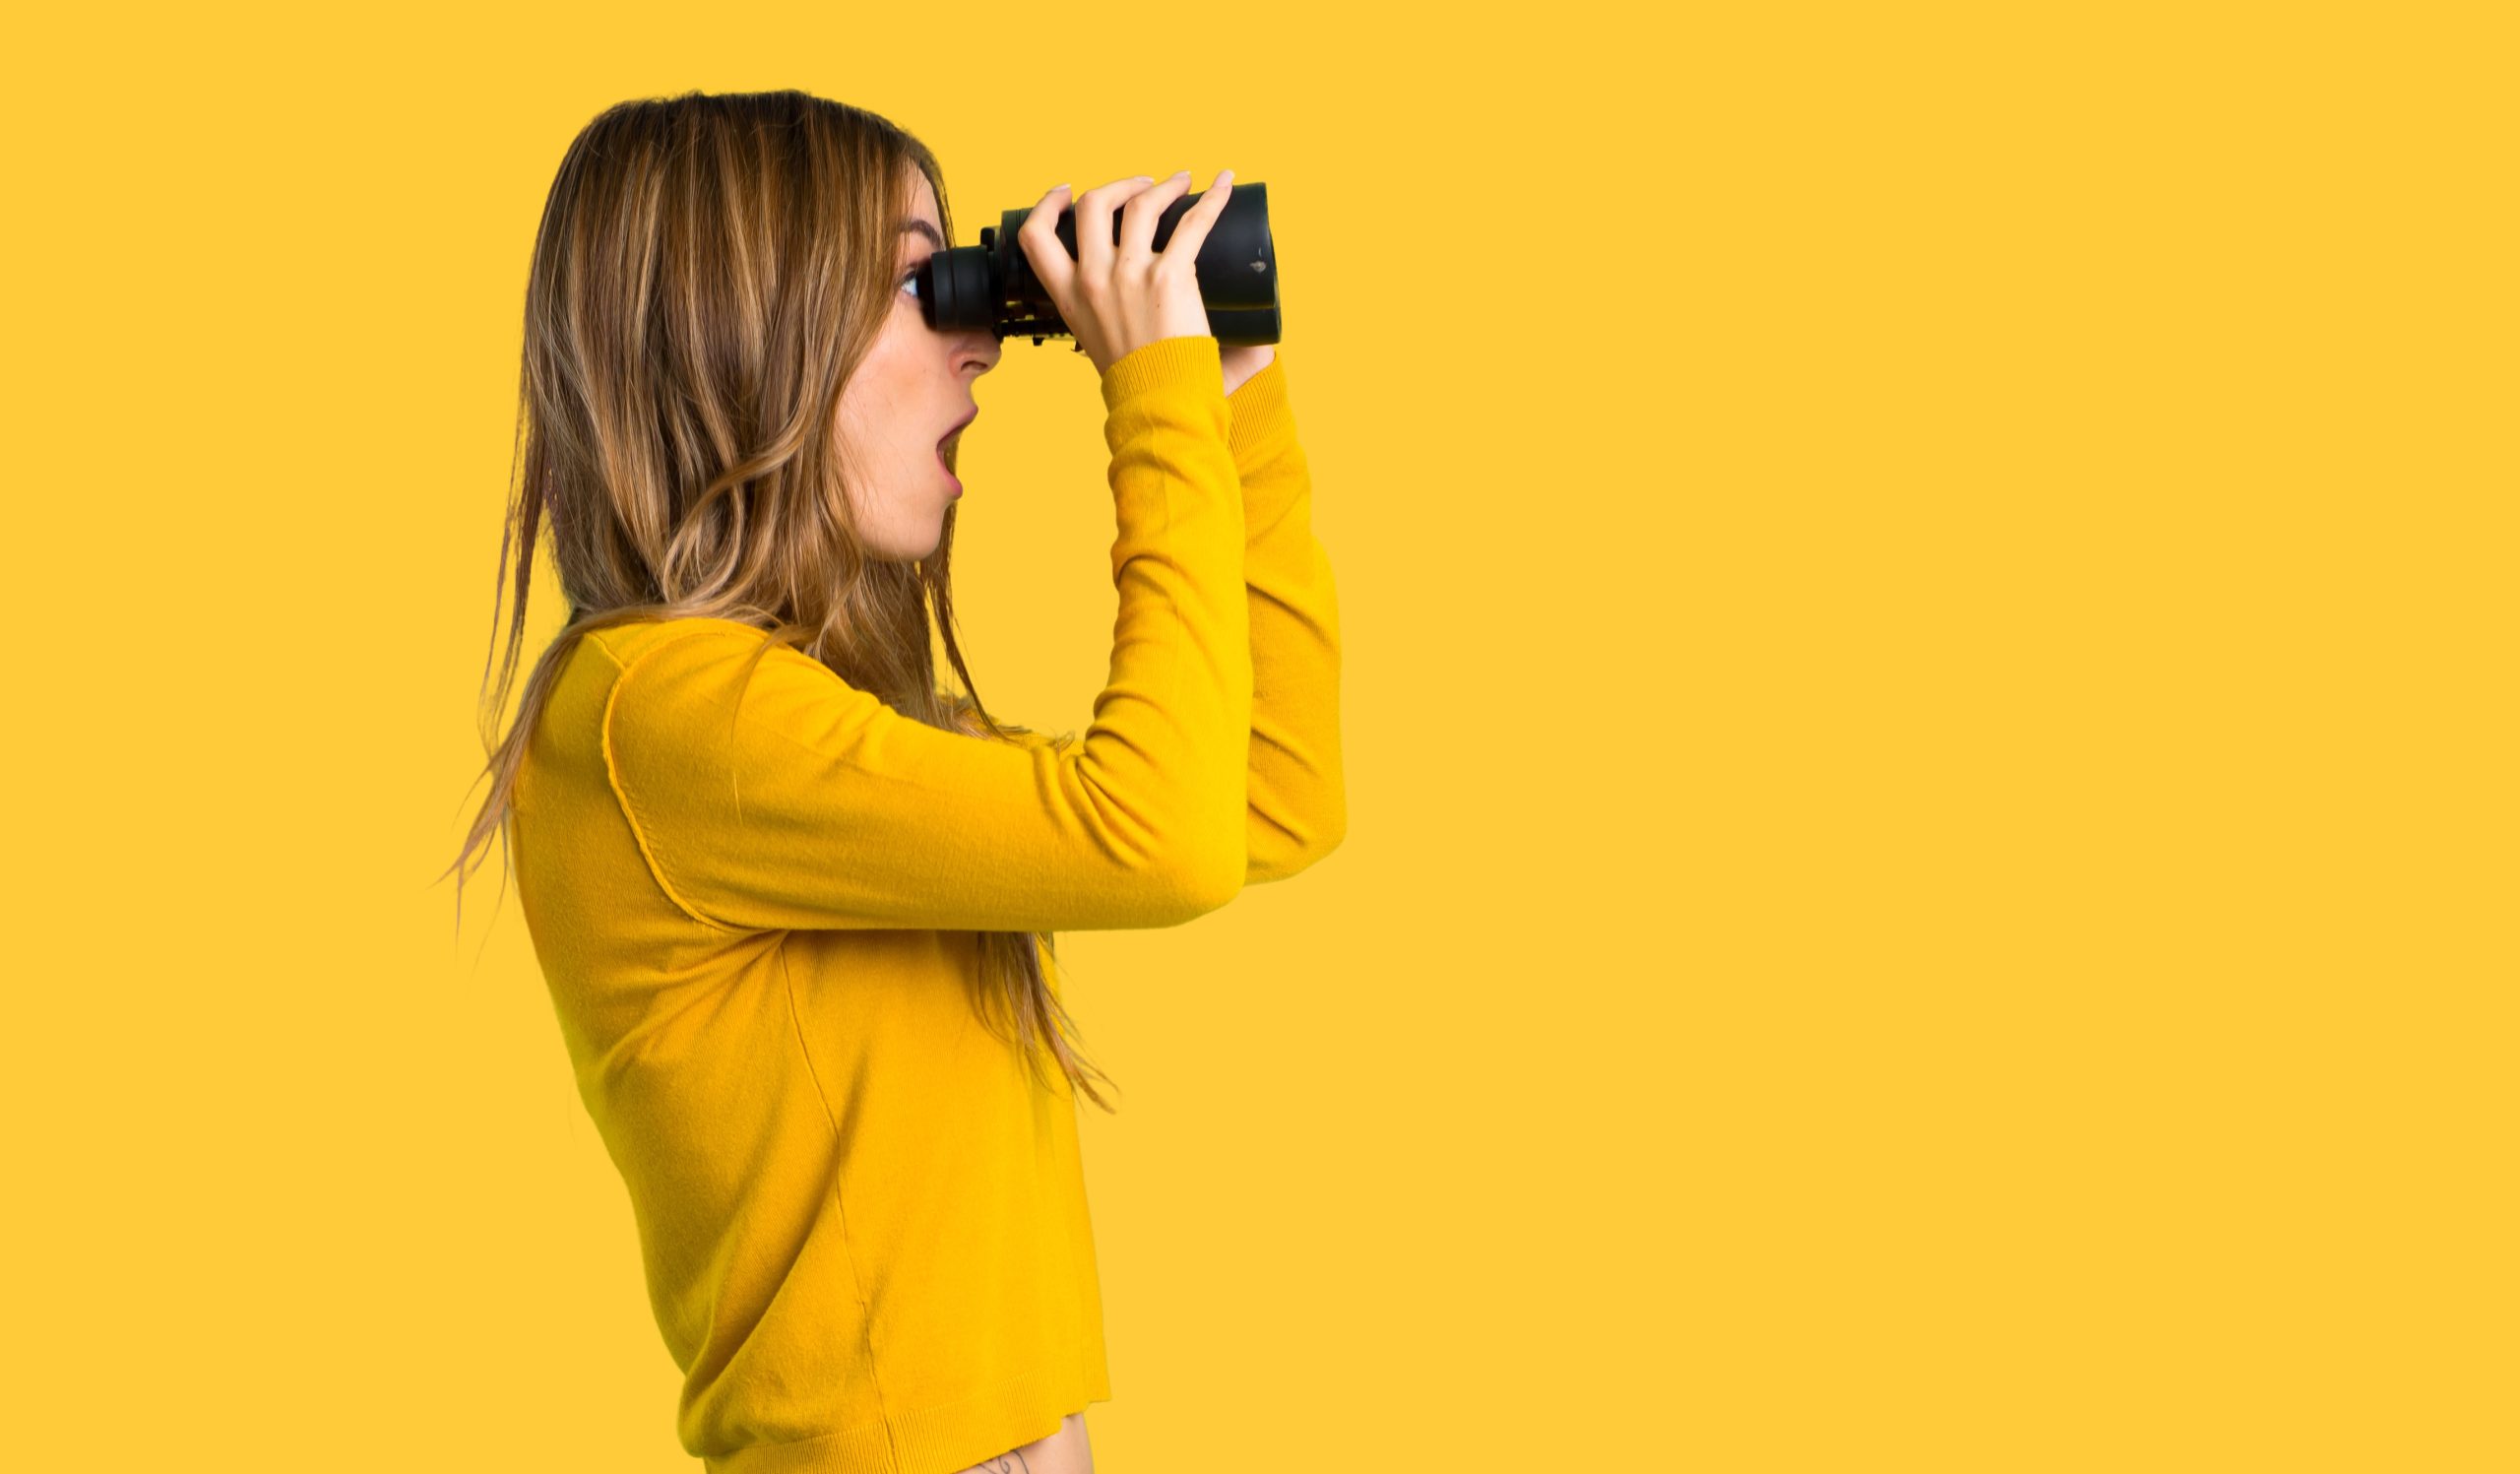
[1055, 191]
[1181, 174]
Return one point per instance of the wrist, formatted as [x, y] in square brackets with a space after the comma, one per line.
[1244, 360]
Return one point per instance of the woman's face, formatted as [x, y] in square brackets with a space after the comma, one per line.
[913, 389]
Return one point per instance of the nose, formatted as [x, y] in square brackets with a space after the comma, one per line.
[979, 347]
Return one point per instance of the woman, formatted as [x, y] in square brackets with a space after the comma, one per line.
[795, 900]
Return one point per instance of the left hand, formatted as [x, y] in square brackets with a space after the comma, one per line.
[1242, 361]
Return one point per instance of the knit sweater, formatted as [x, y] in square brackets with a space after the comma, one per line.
[755, 897]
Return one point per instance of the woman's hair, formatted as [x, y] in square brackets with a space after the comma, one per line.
[708, 272]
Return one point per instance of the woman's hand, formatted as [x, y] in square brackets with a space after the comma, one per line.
[1118, 298]
[1243, 360]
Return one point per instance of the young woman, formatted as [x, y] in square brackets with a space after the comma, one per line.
[795, 901]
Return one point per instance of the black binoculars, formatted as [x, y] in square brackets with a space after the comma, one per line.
[993, 284]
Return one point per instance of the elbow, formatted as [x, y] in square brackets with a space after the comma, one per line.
[1332, 829]
[1280, 850]
[1331, 835]
[1206, 876]
[1329, 827]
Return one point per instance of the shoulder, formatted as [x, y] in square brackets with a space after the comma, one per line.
[672, 671]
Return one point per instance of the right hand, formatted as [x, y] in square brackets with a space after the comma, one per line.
[1117, 298]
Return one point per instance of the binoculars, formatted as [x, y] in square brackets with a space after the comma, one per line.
[993, 284]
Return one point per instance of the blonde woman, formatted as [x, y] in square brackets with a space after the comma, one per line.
[794, 899]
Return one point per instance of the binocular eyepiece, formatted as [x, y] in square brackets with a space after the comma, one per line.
[993, 284]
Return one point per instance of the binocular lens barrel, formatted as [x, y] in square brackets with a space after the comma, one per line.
[993, 284]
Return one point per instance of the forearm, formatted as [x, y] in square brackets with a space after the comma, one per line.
[1294, 787]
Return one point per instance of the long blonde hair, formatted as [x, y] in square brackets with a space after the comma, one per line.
[708, 272]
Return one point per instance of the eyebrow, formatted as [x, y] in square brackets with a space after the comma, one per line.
[926, 229]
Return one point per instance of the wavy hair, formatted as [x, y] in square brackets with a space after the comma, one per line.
[699, 297]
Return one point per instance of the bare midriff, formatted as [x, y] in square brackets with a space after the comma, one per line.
[1063, 1451]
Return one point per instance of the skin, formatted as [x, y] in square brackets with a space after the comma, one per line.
[1241, 361]
[913, 386]
[1063, 1451]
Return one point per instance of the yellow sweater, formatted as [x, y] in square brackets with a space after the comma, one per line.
[862, 1223]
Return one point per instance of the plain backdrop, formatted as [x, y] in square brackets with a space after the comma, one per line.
[1928, 720]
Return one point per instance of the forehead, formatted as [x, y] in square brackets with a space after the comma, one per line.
[923, 198]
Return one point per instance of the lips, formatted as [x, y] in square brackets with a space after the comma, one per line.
[953, 437]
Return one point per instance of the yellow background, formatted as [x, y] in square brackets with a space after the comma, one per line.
[1929, 690]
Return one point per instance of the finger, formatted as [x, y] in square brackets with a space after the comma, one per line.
[1190, 233]
[1039, 236]
[1094, 223]
[1138, 216]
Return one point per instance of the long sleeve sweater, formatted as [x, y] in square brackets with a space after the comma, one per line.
[755, 896]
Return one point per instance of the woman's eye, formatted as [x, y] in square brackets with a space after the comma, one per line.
[911, 275]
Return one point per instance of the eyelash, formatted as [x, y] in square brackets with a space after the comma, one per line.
[912, 274]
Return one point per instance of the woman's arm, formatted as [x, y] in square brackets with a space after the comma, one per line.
[1294, 787]
[1295, 794]
[784, 797]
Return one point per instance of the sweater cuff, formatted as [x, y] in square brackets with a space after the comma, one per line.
[1167, 363]
[1259, 403]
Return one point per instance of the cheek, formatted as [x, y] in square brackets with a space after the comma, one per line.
[870, 407]
[892, 366]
